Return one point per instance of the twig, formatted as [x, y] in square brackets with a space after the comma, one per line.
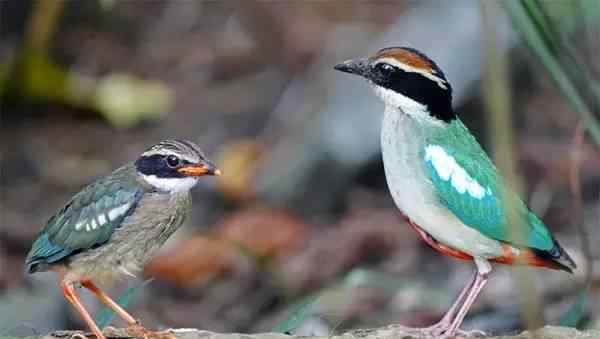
[575, 187]
[42, 24]
[498, 105]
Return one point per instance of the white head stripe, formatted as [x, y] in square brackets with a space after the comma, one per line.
[412, 69]
[182, 149]
[162, 151]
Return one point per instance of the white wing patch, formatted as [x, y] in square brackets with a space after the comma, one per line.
[118, 211]
[80, 224]
[111, 215]
[449, 170]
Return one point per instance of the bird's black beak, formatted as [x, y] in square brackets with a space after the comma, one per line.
[354, 66]
[198, 170]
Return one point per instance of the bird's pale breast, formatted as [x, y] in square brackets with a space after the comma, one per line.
[402, 142]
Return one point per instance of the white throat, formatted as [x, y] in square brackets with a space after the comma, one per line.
[171, 185]
[393, 99]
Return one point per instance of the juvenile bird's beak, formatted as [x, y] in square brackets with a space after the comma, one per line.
[354, 66]
[198, 170]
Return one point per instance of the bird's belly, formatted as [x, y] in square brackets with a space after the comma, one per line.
[414, 194]
[103, 266]
[125, 255]
[113, 262]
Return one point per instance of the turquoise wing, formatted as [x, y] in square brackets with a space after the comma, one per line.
[468, 184]
[86, 221]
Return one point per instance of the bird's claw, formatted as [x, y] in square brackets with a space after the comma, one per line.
[476, 333]
[79, 336]
[139, 331]
[439, 331]
[460, 334]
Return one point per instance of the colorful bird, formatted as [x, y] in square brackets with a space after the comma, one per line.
[444, 183]
[113, 227]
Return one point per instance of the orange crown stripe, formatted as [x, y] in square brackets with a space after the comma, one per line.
[405, 57]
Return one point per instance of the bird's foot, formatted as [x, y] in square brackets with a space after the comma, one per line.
[139, 331]
[440, 331]
[472, 334]
[86, 336]
[460, 335]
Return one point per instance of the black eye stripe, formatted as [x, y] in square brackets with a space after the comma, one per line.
[386, 68]
[419, 88]
[155, 164]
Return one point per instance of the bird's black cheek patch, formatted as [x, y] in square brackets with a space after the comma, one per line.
[425, 91]
[156, 165]
[378, 77]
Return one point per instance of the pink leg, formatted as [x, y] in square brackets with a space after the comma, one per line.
[443, 325]
[481, 278]
[73, 298]
[481, 281]
[106, 300]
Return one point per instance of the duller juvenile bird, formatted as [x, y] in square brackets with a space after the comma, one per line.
[113, 226]
[443, 181]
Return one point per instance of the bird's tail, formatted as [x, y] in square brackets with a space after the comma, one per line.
[558, 257]
[555, 258]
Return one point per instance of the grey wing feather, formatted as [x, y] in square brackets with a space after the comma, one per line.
[87, 221]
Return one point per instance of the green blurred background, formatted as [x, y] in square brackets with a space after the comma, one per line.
[300, 233]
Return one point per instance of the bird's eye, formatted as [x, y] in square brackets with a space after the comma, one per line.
[173, 161]
[385, 68]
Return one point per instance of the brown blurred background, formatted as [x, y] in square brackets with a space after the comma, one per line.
[301, 221]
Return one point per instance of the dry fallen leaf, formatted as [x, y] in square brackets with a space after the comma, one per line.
[196, 260]
[260, 231]
[264, 231]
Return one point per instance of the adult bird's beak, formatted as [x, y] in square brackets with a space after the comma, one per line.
[354, 66]
[198, 170]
